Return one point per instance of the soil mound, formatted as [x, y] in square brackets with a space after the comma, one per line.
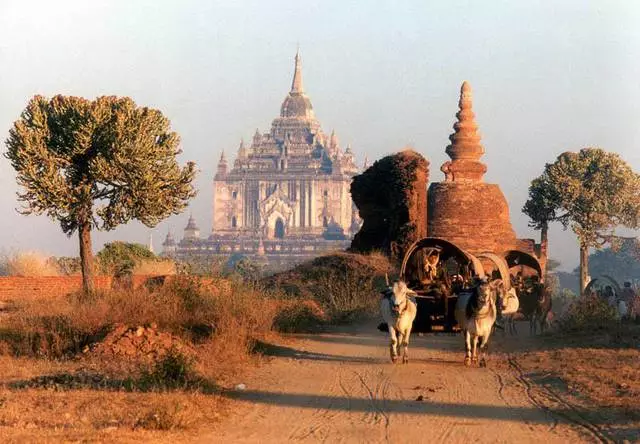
[140, 344]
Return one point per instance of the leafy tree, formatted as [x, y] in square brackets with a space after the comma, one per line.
[97, 164]
[591, 191]
[541, 208]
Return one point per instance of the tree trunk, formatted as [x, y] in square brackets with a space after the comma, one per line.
[584, 267]
[544, 245]
[86, 257]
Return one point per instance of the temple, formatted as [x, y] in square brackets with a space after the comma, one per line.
[464, 209]
[286, 197]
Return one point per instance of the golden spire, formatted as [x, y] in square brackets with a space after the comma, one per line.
[296, 85]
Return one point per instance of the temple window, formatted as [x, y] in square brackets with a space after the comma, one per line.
[234, 222]
[234, 195]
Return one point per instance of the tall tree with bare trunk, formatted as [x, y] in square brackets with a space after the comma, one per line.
[97, 164]
[593, 192]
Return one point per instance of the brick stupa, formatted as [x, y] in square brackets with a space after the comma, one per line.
[463, 209]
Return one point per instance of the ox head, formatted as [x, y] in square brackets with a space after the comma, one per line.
[398, 299]
[489, 292]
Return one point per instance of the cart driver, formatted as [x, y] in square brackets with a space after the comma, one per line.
[431, 267]
[436, 280]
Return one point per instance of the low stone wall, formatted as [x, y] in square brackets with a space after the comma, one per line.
[18, 287]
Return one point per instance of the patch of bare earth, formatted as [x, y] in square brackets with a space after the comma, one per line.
[339, 386]
[595, 376]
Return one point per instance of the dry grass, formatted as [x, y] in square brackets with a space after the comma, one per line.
[87, 415]
[27, 263]
[47, 396]
[185, 307]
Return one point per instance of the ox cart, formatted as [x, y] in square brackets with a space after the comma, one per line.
[438, 271]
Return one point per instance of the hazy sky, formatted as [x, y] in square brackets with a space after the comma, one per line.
[547, 77]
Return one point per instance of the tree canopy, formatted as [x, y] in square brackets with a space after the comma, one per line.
[592, 191]
[97, 164]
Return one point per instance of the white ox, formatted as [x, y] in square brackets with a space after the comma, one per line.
[476, 313]
[398, 311]
[509, 305]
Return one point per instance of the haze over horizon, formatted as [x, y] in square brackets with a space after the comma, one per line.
[546, 78]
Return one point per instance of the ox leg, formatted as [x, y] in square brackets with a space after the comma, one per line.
[514, 327]
[484, 350]
[543, 322]
[474, 349]
[393, 351]
[532, 325]
[405, 346]
[467, 348]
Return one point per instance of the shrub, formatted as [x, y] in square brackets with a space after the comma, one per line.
[346, 285]
[173, 371]
[300, 317]
[123, 258]
[588, 313]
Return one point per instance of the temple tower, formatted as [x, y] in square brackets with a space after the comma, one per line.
[464, 209]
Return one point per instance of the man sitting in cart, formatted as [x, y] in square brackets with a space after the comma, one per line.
[436, 281]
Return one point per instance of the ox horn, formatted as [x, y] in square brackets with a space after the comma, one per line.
[386, 278]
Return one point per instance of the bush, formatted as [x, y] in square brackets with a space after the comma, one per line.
[588, 313]
[175, 370]
[123, 258]
[345, 285]
[300, 317]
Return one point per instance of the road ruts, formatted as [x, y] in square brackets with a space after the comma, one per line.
[340, 387]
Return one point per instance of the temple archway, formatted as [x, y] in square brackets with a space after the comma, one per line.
[278, 230]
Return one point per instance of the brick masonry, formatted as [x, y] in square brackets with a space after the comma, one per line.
[18, 287]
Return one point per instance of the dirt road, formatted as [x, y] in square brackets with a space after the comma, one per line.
[341, 387]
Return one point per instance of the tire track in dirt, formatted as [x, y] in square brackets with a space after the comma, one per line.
[341, 388]
[541, 396]
[319, 422]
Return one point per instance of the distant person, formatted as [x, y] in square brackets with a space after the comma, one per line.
[609, 296]
[628, 294]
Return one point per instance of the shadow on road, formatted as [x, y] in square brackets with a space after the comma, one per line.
[269, 349]
[460, 410]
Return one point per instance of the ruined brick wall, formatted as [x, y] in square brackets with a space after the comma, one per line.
[18, 287]
[391, 197]
[474, 216]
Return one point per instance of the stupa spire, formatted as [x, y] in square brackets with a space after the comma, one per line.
[465, 149]
[296, 84]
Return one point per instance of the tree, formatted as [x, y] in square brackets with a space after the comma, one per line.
[97, 164]
[541, 208]
[591, 191]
